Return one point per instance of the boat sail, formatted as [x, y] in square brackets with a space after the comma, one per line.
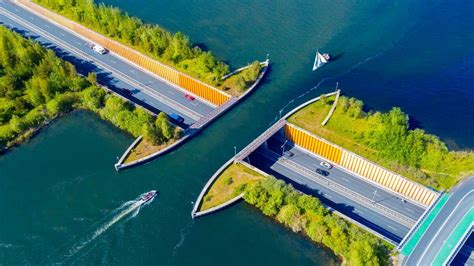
[320, 60]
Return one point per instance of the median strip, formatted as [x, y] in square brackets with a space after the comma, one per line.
[149, 91]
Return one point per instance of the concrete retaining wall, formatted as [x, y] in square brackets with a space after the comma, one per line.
[360, 166]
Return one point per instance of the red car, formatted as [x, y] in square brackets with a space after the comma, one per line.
[189, 97]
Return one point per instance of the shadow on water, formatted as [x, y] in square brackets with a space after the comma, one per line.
[337, 56]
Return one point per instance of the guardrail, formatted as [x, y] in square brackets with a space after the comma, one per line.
[164, 72]
[418, 222]
[260, 140]
[343, 190]
[458, 247]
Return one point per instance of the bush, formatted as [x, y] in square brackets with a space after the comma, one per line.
[304, 213]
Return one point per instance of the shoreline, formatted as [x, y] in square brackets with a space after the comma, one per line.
[191, 131]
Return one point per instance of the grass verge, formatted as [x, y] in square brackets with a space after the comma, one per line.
[229, 184]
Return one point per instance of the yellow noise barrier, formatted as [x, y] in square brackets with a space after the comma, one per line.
[359, 165]
[313, 144]
[190, 84]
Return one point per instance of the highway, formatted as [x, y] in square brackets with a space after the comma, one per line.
[116, 73]
[379, 194]
[365, 213]
[460, 202]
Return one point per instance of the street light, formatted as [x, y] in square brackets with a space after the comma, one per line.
[283, 147]
[235, 151]
[280, 113]
[373, 197]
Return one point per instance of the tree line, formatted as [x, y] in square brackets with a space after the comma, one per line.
[152, 40]
[306, 214]
[37, 86]
[411, 152]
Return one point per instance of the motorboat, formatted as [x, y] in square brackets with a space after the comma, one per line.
[147, 197]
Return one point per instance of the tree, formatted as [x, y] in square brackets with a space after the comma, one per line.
[92, 77]
[17, 124]
[149, 134]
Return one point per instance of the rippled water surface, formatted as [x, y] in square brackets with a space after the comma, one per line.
[60, 189]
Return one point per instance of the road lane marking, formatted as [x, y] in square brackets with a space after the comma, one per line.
[442, 226]
[154, 94]
[393, 228]
[113, 61]
[410, 210]
[328, 196]
[62, 34]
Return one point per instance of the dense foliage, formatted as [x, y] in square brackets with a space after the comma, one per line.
[36, 86]
[413, 152]
[306, 214]
[387, 139]
[173, 49]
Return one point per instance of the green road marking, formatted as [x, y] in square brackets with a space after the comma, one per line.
[461, 228]
[415, 238]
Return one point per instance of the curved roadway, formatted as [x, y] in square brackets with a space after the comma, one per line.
[460, 203]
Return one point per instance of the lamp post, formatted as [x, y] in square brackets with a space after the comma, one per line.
[373, 197]
[283, 147]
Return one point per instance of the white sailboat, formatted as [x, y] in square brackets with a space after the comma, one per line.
[320, 60]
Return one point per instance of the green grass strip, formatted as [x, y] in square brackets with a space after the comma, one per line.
[454, 238]
[415, 238]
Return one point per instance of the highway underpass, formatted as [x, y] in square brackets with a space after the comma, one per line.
[117, 74]
[369, 204]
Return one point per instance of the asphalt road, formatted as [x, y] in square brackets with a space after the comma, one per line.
[461, 201]
[361, 213]
[147, 90]
[379, 194]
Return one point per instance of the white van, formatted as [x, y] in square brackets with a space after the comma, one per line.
[98, 49]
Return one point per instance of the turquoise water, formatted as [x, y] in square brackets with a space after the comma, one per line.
[60, 190]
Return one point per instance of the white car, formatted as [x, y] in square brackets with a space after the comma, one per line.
[325, 165]
[98, 49]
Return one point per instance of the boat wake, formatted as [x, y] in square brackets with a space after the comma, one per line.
[125, 212]
[184, 232]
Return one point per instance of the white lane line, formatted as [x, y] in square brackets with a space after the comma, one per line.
[360, 212]
[442, 226]
[62, 34]
[345, 179]
[393, 228]
[195, 104]
[47, 26]
[410, 210]
[150, 81]
[328, 196]
[172, 93]
[163, 99]
[32, 18]
[113, 61]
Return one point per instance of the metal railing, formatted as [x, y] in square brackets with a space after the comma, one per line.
[343, 190]
[260, 140]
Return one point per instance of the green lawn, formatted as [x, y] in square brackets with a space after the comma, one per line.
[229, 184]
[387, 139]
